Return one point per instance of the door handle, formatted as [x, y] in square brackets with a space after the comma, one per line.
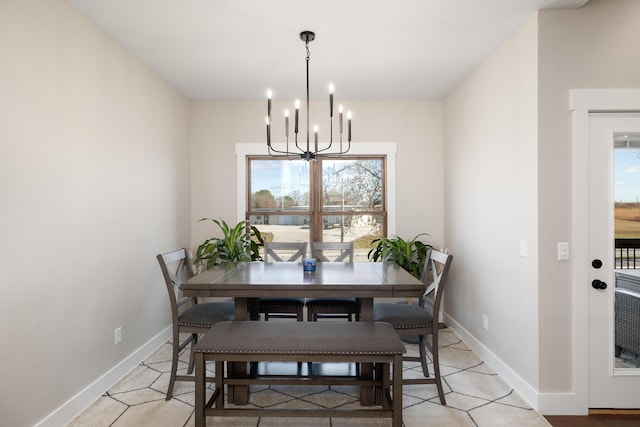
[598, 284]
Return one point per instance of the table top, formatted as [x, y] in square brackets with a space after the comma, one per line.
[287, 279]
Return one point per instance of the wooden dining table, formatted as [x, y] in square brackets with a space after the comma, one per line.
[246, 280]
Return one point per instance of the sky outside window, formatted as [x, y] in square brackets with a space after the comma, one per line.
[627, 168]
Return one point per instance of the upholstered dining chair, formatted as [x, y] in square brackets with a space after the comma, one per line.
[283, 307]
[332, 307]
[187, 315]
[422, 319]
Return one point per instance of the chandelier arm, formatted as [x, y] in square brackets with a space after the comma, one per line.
[335, 152]
[273, 152]
[287, 152]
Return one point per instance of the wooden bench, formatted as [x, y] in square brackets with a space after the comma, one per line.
[247, 341]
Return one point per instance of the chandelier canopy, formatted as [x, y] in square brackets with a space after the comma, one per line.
[305, 152]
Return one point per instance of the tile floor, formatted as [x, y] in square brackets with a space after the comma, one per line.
[475, 395]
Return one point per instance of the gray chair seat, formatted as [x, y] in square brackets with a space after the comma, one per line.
[206, 315]
[402, 316]
[281, 302]
[331, 302]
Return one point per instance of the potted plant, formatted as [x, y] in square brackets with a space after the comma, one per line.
[238, 244]
[408, 254]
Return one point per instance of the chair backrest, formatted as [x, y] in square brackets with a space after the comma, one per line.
[434, 276]
[344, 251]
[285, 251]
[176, 267]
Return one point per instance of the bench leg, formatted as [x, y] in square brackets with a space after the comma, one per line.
[378, 391]
[397, 391]
[238, 394]
[367, 393]
[200, 397]
[219, 403]
[385, 389]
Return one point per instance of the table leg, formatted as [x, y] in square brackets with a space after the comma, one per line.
[397, 391]
[366, 309]
[200, 396]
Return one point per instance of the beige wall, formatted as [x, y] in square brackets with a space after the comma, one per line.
[591, 47]
[94, 182]
[507, 139]
[416, 127]
[95, 179]
[490, 134]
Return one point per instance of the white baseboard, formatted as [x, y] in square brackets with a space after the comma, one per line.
[523, 388]
[560, 404]
[545, 403]
[81, 401]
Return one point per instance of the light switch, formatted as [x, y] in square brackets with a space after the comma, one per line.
[563, 251]
[524, 248]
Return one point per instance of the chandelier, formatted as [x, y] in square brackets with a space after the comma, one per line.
[305, 152]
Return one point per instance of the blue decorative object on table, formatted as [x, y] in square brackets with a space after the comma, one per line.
[309, 265]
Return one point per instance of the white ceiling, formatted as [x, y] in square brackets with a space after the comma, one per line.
[369, 49]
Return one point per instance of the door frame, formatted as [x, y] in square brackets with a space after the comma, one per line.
[581, 103]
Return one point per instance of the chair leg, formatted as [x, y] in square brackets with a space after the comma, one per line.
[436, 368]
[435, 353]
[253, 309]
[174, 365]
[194, 341]
[422, 346]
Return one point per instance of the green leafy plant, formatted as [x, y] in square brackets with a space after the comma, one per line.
[238, 244]
[408, 254]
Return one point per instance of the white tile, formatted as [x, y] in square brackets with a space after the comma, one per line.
[293, 422]
[140, 377]
[103, 412]
[158, 414]
[137, 397]
[476, 397]
[497, 415]
[361, 422]
[490, 387]
[433, 414]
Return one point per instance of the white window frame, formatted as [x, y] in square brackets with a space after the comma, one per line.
[387, 149]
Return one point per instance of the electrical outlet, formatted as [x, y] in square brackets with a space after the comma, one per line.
[485, 322]
[117, 335]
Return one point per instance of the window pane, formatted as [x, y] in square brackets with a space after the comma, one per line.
[282, 228]
[331, 199]
[352, 185]
[279, 185]
[361, 229]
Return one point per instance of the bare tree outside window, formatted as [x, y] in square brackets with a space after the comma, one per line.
[330, 199]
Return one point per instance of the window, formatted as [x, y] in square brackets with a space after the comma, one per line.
[331, 199]
[386, 150]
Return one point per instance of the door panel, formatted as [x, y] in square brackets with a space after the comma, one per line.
[610, 386]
